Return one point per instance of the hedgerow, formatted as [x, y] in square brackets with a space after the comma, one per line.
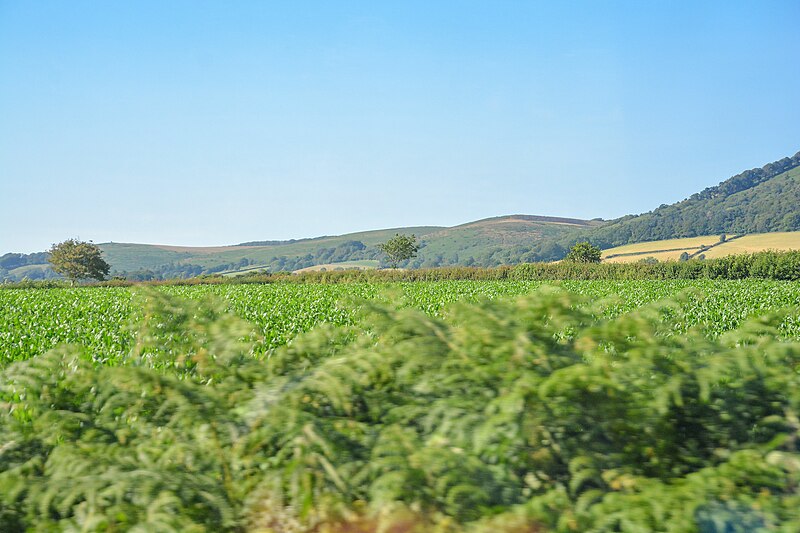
[769, 265]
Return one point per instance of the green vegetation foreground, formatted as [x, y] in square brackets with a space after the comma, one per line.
[103, 320]
[548, 412]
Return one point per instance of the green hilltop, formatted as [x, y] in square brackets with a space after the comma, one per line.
[488, 242]
[275, 256]
[759, 200]
[756, 201]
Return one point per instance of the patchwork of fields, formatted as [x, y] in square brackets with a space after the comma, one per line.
[709, 245]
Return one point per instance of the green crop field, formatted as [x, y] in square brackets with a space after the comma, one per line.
[365, 264]
[420, 406]
[33, 321]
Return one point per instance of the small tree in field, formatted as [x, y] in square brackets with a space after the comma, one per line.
[400, 248]
[78, 260]
[583, 252]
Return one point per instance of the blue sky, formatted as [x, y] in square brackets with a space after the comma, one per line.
[203, 123]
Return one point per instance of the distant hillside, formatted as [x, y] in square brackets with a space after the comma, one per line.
[760, 200]
[145, 261]
[493, 241]
[707, 246]
[488, 242]
[499, 240]
[15, 267]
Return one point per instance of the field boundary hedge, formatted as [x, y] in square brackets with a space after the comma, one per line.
[771, 265]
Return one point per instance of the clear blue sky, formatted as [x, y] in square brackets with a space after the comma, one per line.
[219, 122]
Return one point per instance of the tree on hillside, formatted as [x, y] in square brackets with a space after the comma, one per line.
[583, 252]
[78, 260]
[400, 248]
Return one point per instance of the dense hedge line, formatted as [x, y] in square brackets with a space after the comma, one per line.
[782, 266]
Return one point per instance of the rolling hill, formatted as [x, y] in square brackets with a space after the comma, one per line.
[488, 242]
[280, 255]
[752, 206]
[759, 200]
[499, 240]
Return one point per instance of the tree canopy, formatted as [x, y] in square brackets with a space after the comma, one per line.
[78, 260]
[759, 200]
[583, 252]
[400, 248]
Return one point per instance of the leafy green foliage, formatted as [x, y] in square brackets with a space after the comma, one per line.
[78, 260]
[34, 321]
[755, 201]
[583, 252]
[548, 412]
[761, 265]
[399, 248]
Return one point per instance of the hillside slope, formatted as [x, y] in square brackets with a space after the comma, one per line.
[277, 255]
[493, 241]
[500, 240]
[759, 200]
[755, 201]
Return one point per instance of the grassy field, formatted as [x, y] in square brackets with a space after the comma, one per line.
[757, 242]
[365, 264]
[33, 321]
[691, 243]
[671, 249]
[672, 255]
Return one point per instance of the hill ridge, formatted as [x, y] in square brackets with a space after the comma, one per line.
[758, 200]
[532, 218]
[749, 202]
